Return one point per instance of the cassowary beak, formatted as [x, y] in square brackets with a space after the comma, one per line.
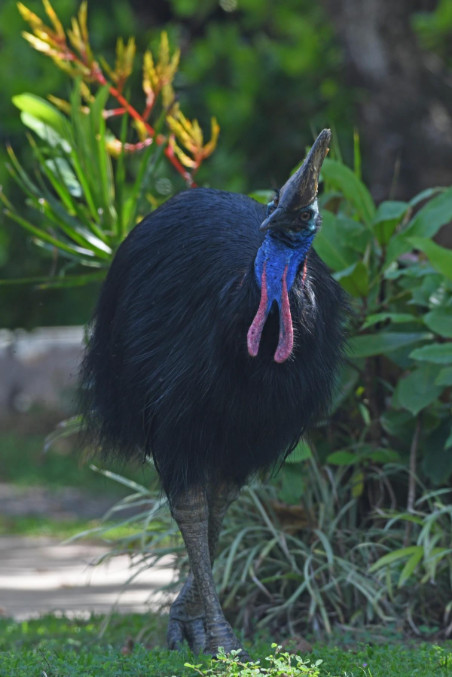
[301, 189]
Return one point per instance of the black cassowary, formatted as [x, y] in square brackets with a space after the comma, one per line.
[213, 348]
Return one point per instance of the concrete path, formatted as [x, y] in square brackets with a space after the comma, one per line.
[40, 575]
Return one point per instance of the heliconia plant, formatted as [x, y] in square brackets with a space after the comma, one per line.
[71, 52]
[97, 156]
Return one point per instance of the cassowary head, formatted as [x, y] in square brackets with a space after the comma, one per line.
[294, 210]
[291, 223]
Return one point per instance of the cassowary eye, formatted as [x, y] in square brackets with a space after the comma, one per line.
[305, 215]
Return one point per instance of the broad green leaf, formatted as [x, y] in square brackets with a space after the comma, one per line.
[435, 214]
[412, 268]
[425, 224]
[439, 257]
[42, 110]
[444, 377]
[332, 246]
[398, 423]
[44, 131]
[301, 452]
[439, 353]
[384, 455]
[355, 234]
[397, 245]
[388, 216]
[425, 195]
[417, 390]
[440, 321]
[411, 565]
[367, 345]
[354, 279]
[395, 318]
[354, 190]
[394, 556]
[342, 457]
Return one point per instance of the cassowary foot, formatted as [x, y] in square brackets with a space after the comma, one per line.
[191, 630]
[186, 621]
[220, 634]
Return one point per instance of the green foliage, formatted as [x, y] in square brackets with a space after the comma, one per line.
[300, 566]
[431, 557]
[82, 208]
[399, 346]
[92, 181]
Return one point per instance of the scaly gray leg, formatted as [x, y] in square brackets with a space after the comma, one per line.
[187, 619]
[199, 618]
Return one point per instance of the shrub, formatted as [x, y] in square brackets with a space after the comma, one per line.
[98, 160]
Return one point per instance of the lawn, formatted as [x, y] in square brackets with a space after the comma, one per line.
[58, 647]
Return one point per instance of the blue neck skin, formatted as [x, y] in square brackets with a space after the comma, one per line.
[277, 253]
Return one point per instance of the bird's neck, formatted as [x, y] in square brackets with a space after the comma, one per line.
[277, 262]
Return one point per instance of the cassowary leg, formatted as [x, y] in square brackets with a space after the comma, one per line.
[199, 618]
[187, 619]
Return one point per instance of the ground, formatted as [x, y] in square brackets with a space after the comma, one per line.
[41, 574]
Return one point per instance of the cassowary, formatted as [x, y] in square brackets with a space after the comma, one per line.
[213, 348]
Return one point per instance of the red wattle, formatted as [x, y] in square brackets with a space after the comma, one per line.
[257, 326]
[285, 343]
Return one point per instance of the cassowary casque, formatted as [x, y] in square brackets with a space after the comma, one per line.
[213, 348]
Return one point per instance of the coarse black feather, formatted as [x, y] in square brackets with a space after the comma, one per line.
[167, 371]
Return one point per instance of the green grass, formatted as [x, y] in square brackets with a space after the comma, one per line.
[132, 646]
[24, 462]
[34, 526]
[44, 526]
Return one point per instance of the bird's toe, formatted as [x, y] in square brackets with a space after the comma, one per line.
[190, 629]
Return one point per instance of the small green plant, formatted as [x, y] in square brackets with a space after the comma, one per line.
[279, 663]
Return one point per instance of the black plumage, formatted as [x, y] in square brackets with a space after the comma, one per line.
[168, 360]
[167, 371]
